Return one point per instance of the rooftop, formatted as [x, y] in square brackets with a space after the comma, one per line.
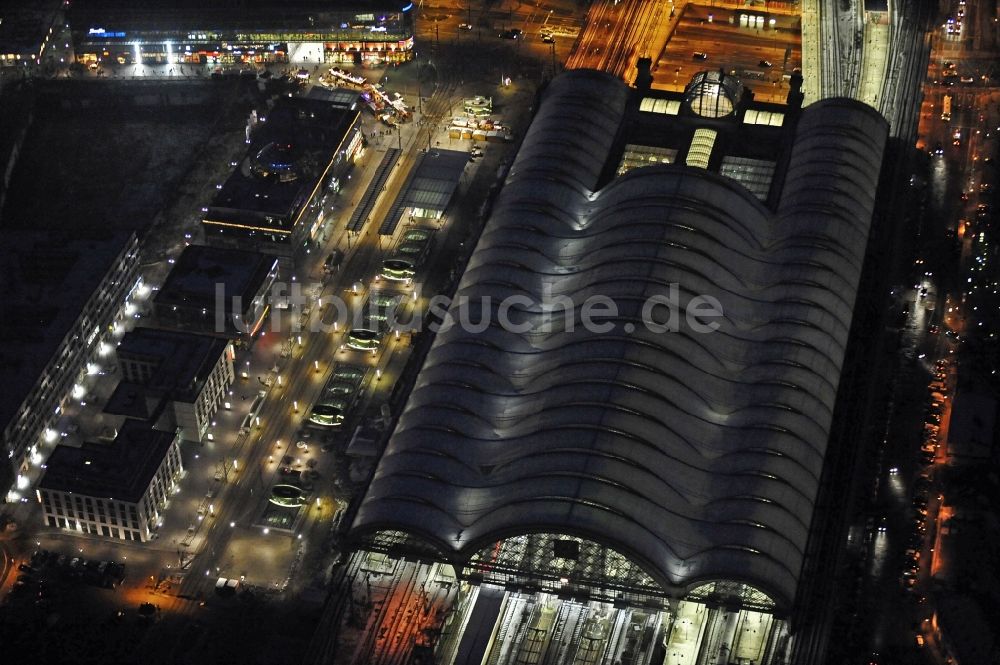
[430, 185]
[694, 453]
[183, 361]
[340, 97]
[193, 280]
[971, 430]
[119, 470]
[46, 279]
[306, 135]
[24, 24]
[132, 400]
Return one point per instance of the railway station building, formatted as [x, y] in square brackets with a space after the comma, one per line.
[662, 478]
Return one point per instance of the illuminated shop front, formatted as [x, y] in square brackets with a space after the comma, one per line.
[257, 36]
[369, 52]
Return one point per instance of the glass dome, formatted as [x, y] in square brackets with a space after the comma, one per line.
[713, 94]
[276, 159]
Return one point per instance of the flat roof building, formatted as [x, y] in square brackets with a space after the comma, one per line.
[273, 200]
[179, 379]
[254, 31]
[667, 451]
[217, 290]
[114, 489]
[63, 296]
[26, 27]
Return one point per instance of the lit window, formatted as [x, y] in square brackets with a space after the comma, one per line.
[700, 151]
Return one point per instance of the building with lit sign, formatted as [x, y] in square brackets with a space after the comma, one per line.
[254, 31]
[273, 201]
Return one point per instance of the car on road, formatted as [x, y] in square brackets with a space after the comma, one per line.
[967, 79]
[699, 55]
[548, 38]
[465, 26]
[513, 33]
[766, 64]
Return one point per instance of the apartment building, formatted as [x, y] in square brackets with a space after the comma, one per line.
[63, 297]
[176, 379]
[118, 490]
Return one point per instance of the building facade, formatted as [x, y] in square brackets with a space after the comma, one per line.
[254, 32]
[191, 372]
[117, 490]
[275, 200]
[66, 318]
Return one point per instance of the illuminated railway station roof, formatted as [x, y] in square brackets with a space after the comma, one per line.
[696, 456]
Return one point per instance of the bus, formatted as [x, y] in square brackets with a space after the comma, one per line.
[946, 108]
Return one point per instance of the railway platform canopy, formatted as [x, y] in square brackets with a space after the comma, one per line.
[620, 460]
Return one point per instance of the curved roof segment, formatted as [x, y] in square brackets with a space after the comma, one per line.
[697, 455]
